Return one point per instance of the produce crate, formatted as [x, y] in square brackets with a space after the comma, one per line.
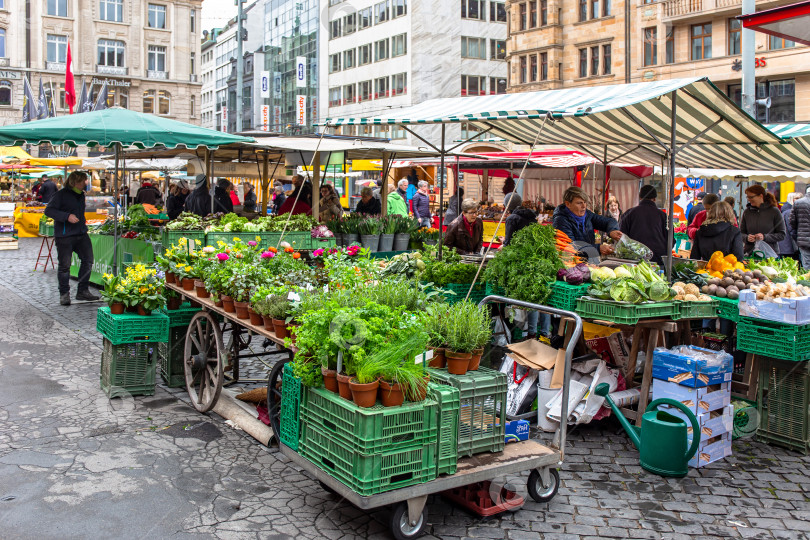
[291, 396]
[448, 399]
[772, 339]
[696, 310]
[297, 239]
[478, 293]
[128, 328]
[374, 429]
[784, 398]
[623, 313]
[784, 310]
[170, 356]
[170, 238]
[746, 417]
[45, 229]
[495, 290]
[564, 295]
[322, 243]
[128, 369]
[728, 309]
[181, 316]
[482, 409]
[364, 474]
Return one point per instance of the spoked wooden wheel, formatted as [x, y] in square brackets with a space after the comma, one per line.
[204, 361]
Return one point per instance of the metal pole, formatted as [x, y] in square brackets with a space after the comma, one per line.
[627, 41]
[673, 150]
[748, 45]
[115, 211]
[441, 196]
[265, 183]
[240, 75]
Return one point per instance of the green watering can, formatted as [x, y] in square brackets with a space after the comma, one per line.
[661, 439]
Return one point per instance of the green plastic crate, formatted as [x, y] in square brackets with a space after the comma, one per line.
[620, 313]
[460, 290]
[448, 399]
[290, 418]
[374, 429]
[170, 238]
[728, 309]
[784, 399]
[128, 328]
[696, 310]
[774, 340]
[321, 243]
[368, 474]
[181, 316]
[495, 290]
[128, 369]
[45, 229]
[564, 295]
[482, 408]
[170, 357]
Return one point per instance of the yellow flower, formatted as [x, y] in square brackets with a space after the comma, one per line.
[143, 290]
[188, 269]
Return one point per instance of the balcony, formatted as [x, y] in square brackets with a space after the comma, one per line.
[112, 70]
[157, 75]
[192, 78]
[687, 9]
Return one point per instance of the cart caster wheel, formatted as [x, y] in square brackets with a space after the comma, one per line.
[538, 491]
[401, 527]
[327, 489]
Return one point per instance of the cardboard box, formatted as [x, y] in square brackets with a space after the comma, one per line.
[699, 400]
[783, 310]
[670, 365]
[711, 424]
[711, 450]
[517, 430]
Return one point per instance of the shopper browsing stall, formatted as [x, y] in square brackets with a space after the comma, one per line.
[466, 232]
[718, 233]
[368, 204]
[574, 219]
[761, 220]
[700, 217]
[647, 223]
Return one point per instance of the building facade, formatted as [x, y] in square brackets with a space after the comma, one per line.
[147, 52]
[561, 43]
[379, 56]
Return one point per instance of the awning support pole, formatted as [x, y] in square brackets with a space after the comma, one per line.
[115, 211]
[645, 128]
[470, 139]
[607, 181]
[673, 152]
[386, 167]
[522, 141]
[422, 138]
[699, 135]
[441, 194]
[265, 182]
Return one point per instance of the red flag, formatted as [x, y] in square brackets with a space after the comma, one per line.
[70, 88]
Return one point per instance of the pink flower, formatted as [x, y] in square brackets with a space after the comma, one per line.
[268, 255]
[222, 256]
[251, 243]
[318, 252]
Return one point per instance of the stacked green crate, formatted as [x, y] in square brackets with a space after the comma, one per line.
[783, 403]
[170, 238]
[170, 353]
[290, 415]
[564, 295]
[774, 339]
[448, 399]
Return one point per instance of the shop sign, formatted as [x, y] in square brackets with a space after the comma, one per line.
[224, 118]
[6, 74]
[736, 65]
[300, 72]
[265, 84]
[266, 117]
[300, 110]
[110, 82]
[277, 115]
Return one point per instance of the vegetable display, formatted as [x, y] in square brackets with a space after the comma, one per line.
[771, 292]
[689, 292]
[633, 284]
[718, 264]
[686, 272]
[576, 275]
[627, 248]
[778, 269]
[732, 282]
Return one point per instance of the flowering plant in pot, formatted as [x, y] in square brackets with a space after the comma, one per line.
[144, 289]
[173, 299]
[114, 293]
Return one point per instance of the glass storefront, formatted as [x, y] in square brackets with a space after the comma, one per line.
[783, 100]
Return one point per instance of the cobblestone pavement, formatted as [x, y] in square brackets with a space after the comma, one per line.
[74, 464]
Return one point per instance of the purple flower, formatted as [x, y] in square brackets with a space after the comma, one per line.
[318, 252]
[251, 243]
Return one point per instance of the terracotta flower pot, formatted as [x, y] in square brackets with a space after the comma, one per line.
[199, 288]
[457, 362]
[188, 284]
[227, 304]
[174, 303]
[268, 323]
[391, 394]
[475, 359]
[280, 328]
[171, 277]
[143, 312]
[438, 360]
[132, 309]
[364, 394]
[421, 391]
[117, 308]
[330, 379]
[255, 318]
[241, 310]
[219, 303]
[291, 333]
[343, 386]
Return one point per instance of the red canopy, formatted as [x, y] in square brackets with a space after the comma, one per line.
[787, 22]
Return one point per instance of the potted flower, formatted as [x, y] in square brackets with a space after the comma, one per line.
[173, 299]
[261, 304]
[145, 290]
[114, 293]
[462, 330]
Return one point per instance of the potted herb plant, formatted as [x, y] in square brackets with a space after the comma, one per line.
[462, 336]
[483, 322]
[437, 338]
[278, 311]
[261, 303]
[369, 229]
[366, 382]
[173, 300]
[400, 376]
[389, 226]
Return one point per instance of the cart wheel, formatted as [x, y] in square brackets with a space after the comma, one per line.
[538, 491]
[401, 527]
[327, 489]
[274, 396]
[203, 361]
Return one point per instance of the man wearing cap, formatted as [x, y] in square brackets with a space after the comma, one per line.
[800, 227]
[646, 223]
[148, 194]
[696, 208]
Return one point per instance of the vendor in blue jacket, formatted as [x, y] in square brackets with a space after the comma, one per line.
[574, 219]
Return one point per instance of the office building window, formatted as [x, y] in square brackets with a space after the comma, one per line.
[5, 92]
[605, 8]
[522, 21]
[670, 46]
[734, 32]
[583, 10]
[473, 85]
[583, 62]
[349, 95]
[497, 49]
[497, 12]
[776, 43]
[364, 17]
[607, 67]
[701, 41]
[156, 58]
[349, 60]
[472, 47]
[399, 84]
[543, 66]
[192, 106]
[334, 29]
[2, 42]
[56, 48]
[380, 50]
[157, 16]
[364, 52]
[523, 70]
[111, 10]
[57, 8]
[595, 9]
[334, 63]
[543, 12]
[533, 14]
[381, 12]
[472, 9]
[783, 100]
[497, 85]
[334, 97]
[381, 88]
[533, 68]
[595, 60]
[399, 45]
[399, 8]
[193, 20]
[364, 91]
[156, 102]
[349, 24]
[110, 53]
[650, 40]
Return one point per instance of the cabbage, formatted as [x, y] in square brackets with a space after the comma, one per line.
[658, 291]
[622, 272]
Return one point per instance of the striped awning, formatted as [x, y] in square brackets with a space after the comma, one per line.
[627, 122]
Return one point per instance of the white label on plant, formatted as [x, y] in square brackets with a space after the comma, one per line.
[293, 296]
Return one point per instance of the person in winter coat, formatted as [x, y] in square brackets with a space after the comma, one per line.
[148, 194]
[454, 206]
[176, 200]
[518, 218]
[646, 223]
[222, 196]
[574, 219]
[234, 196]
[788, 247]
[368, 204]
[396, 202]
[278, 198]
[731, 201]
[718, 233]
[330, 203]
[761, 220]
[696, 208]
[305, 189]
[421, 204]
[800, 227]
[66, 208]
[466, 232]
[250, 197]
[199, 201]
[46, 191]
[700, 217]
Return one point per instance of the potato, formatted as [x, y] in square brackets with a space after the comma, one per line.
[732, 288]
[747, 279]
[705, 289]
[739, 284]
[714, 281]
[758, 273]
[727, 281]
[749, 273]
[712, 289]
[733, 295]
[755, 281]
[721, 292]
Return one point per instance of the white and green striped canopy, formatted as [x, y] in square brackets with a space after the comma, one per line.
[631, 122]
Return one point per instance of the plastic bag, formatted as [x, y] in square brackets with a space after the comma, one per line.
[627, 248]
[762, 250]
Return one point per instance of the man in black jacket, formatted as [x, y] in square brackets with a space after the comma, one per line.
[199, 201]
[148, 194]
[46, 191]
[66, 208]
[646, 223]
[696, 208]
[222, 196]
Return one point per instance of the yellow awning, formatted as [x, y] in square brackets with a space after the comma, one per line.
[14, 151]
[55, 162]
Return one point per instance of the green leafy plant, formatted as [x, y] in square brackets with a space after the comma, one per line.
[113, 291]
[464, 326]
